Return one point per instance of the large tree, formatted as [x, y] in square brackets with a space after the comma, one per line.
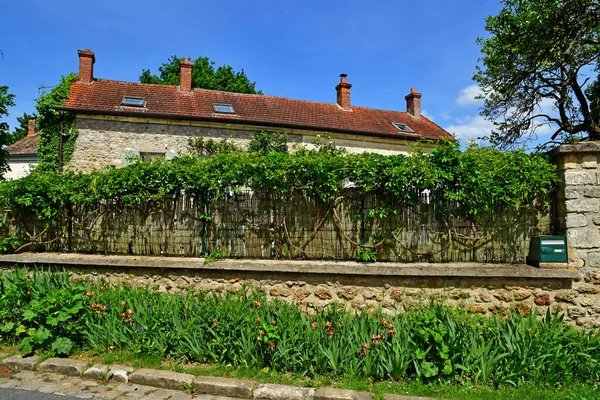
[537, 63]
[6, 100]
[204, 76]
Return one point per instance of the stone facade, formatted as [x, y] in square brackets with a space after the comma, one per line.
[102, 142]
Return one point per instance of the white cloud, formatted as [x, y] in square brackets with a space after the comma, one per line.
[471, 128]
[468, 94]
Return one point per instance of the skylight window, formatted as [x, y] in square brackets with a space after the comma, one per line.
[133, 101]
[402, 127]
[224, 108]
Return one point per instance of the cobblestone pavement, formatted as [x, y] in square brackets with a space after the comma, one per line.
[91, 389]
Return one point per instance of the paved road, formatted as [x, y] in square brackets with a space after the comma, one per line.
[19, 394]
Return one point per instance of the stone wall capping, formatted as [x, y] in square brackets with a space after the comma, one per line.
[457, 270]
[581, 147]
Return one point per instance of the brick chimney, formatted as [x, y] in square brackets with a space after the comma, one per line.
[185, 79]
[31, 128]
[86, 65]
[343, 92]
[413, 103]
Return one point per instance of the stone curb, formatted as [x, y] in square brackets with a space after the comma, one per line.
[202, 385]
[283, 392]
[115, 372]
[227, 387]
[18, 361]
[63, 366]
[162, 379]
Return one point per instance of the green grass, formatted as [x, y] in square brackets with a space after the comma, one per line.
[436, 390]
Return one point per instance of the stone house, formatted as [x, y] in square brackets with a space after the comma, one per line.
[22, 156]
[117, 120]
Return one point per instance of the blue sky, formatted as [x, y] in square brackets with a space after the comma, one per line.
[291, 49]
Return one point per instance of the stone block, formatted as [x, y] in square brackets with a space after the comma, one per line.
[576, 220]
[542, 299]
[589, 161]
[593, 191]
[347, 292]
[120, 373]
[583, 205]
[63, 366]
[594, 259]
[587, 302]
[586, 289]
[576, 312]
[98, 371]
[341, 394]
[580, 177]
[323, 293]
[161, 379]
[567, 296]
[521, 294]
[280, 292]
[572, 193]
[584, 238]
[18, 361]
[216, 386]
[570, 161]
[283, 392]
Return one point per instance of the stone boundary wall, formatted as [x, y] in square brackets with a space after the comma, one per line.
[478, 288]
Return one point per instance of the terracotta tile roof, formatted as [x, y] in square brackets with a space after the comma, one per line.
[105, 96]
[26, 146]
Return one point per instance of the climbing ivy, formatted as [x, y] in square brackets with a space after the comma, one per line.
[49, 122]
[473, 184]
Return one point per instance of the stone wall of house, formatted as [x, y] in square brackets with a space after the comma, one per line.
[578, 205]
[105, 142]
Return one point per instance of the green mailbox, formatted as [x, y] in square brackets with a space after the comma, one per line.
[547, 249]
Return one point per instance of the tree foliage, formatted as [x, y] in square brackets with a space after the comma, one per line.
[49, 123]
[540, 53]
[204, 76]
[6, 100]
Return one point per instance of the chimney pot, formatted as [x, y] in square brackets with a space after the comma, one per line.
[86, 65]
[31, 127]
[343, 92]
[185, 78]
[413, 103]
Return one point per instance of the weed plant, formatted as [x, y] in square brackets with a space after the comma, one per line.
[46, 311]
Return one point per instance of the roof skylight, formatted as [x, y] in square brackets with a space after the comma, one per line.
[402, 127]
[130, 101]
[224, 108]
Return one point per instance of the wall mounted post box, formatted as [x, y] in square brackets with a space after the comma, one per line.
[547, 249]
